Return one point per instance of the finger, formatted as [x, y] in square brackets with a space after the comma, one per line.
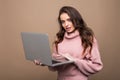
[59, 57]
[42, 64]
[36, 62]
[67, 56]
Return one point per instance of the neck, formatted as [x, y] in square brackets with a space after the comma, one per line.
[73, 34]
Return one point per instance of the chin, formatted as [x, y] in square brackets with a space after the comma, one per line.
[70, 31]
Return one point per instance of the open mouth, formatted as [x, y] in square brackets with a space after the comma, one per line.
[68, 28]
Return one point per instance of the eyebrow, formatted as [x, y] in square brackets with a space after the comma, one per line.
[66, 19]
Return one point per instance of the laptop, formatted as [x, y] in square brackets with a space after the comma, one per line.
[36, 46]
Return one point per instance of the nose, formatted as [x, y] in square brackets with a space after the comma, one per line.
[66, 23]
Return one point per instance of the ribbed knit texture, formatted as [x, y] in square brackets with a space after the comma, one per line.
[82, 67]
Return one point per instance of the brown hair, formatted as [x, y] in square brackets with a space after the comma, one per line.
[85, 32]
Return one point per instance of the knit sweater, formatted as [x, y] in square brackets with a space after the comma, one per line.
[82, 68]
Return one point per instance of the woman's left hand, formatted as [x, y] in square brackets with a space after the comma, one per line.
[68, 56]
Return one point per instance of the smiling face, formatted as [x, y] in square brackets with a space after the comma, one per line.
[67, 23]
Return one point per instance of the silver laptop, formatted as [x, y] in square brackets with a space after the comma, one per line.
[36, 46]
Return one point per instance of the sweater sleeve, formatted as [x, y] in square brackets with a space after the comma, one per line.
[91, 64]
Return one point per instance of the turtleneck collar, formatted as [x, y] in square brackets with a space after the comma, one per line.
[72, 35]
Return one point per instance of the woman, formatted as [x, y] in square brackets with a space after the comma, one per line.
[75, 41]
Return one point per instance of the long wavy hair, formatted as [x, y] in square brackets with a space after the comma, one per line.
[85, 32]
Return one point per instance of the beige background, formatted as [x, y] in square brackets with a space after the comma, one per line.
[103, 16]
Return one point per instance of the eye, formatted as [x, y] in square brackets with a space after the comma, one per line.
[69, 20]
[62, 21]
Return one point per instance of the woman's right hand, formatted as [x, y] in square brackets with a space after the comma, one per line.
[37, 62]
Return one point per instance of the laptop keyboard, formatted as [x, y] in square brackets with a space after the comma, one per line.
[53, 61]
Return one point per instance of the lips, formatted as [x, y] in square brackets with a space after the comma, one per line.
[68, 28]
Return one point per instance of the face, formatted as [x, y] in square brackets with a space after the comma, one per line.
[67, 23]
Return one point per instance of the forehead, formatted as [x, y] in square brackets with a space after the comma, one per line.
[64, 16]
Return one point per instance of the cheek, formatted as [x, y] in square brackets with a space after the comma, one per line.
[72, 25]
[63, 26]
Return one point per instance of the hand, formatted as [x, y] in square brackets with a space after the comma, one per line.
[59, 57]
[68, 56]
[37, 62]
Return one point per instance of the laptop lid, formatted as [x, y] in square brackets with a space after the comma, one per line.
[36, 46]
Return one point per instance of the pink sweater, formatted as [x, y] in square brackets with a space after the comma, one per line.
[82, 68]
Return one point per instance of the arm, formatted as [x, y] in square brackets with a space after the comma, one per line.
[91, 63]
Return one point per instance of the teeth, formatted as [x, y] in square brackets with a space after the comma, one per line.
[68, 28]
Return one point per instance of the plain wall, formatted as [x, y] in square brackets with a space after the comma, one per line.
[16, 16]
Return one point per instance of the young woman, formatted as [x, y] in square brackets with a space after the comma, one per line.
[75, 41]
